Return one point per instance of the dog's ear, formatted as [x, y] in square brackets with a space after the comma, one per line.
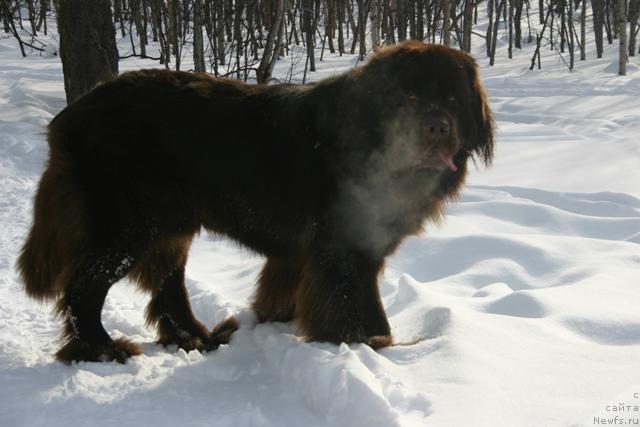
[482, 139]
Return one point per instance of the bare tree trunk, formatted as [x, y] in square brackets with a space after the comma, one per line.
[173, 29]
[307, 12]
[563, 24]
[252, 42]
[511, 29]
[362, 28]
[228, 18]
[622, 36]
[290, 18]
[237, 34]
[401, 19]
[137, 18]
[330, 23]
[583, 31]
[32, 17]
[159, 12]
[375, 24]
[571, 30]
[517, 17]
[411, 18]
[272, 45]
[552, 44]
[340, 27]
[429, 16]
[489, 34]
[541, 10]
[446, 22]
[608, 17]
[634, 12]
[185, 15]
[198, 42]
[219, 25]
[154, 21]
[495, 33]
[391, 13]
[7, 16]
[536, 53]
[420, 20]
[87, 45]
[356, 30]
[117, 12]
[42, 19]
[598, 25]
[467, 26]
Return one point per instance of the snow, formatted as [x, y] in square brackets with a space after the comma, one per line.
[522, 309]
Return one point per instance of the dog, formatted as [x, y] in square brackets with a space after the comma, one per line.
[324, 180]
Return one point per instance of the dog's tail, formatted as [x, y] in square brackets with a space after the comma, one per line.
[48, 258]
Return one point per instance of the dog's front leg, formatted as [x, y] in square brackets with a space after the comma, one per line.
[338, 299]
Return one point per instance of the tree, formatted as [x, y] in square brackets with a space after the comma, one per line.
[309, 29]
[622, 36]
[273, 44]
[489, 34]
[446, 25]
[583, 31]
[375, 24]
[401, 19]
[198, 43]
[87, 44]
[634, 12]
[598, 24]
[494, 36]
[362, 27]
[7, 17]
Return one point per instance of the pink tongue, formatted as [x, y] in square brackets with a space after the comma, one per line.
[448, 160]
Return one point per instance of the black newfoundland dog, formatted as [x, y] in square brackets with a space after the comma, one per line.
[324, 180]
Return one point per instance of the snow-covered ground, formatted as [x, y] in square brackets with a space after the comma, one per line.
[526, 302]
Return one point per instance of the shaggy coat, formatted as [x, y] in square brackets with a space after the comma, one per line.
[324, 180]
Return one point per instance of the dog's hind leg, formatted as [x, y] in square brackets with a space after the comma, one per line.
[162, 271]
[81, 306]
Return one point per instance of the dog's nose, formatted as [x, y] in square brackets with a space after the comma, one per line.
[437, 128]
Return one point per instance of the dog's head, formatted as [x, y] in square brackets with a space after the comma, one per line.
[426, 105]
[407, 122]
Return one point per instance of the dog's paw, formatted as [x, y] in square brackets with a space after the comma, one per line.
[184, 340]
[222, 333]
[77, 350]
[379, 341]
